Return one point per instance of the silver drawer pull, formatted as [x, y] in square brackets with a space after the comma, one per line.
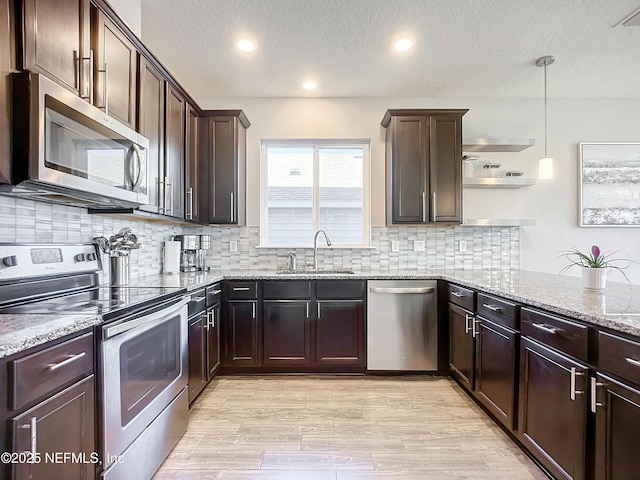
[635, 363]
[491, 307]
[34, 436]
[456, 294]
[72, 358]
[594, 395]
[544, 328]
[216, 292]
[241, 289]
[198, 299]
[410, 290]
[573, 392]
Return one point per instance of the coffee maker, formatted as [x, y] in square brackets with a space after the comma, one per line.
[189, 247]
[201, 258]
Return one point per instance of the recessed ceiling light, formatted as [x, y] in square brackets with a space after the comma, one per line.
[403, 44]
[246, 45]
[309, 85]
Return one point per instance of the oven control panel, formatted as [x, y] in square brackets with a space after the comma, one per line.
[36, 260]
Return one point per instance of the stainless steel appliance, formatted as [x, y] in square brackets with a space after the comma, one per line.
[65, 150]
[142, 348]
[189, 246]
[402, 325]
[201, 258]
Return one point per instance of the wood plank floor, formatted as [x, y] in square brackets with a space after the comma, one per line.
[342, 428]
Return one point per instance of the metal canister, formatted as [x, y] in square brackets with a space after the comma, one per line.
[205, 242]
[119, 270]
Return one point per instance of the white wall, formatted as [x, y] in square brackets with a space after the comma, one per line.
[131, 12]
[552, 203]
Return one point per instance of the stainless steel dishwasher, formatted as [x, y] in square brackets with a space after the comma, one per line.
[402, 325]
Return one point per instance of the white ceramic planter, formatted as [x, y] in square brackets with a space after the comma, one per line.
[594, 278]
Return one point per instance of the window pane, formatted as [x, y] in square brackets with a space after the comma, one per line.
[341, 194]
[289, 195]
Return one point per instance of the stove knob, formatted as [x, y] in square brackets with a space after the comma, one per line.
[91, 257]
[10, 261]
[80, 257]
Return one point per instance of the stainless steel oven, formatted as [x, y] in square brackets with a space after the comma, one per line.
[66, 149]
[143, 367]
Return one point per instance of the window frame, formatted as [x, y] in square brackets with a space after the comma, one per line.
[317, 145]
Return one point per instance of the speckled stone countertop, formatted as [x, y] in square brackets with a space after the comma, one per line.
[617, 308]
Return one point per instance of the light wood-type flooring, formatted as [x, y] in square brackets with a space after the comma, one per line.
[342, 428]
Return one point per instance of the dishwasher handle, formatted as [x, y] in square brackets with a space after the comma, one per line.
[415, 290]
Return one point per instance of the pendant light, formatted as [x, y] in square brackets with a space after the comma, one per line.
[545, 166]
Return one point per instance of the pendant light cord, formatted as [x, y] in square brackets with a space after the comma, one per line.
[545, 109]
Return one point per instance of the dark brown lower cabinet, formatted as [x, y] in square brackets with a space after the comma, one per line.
[461, 346]
[242, 334]
[340, 332]
[197, 355]
[286, 332]
[496, 359]
[617, 408]
[213, 340]
[553, 409]
[64, 423]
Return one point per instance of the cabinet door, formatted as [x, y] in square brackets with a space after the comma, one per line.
[63, 423]
[213, 341]
[340, 332]
[191, 167]
[56, 42]
[617, 408]
[409, 145]
[287, 332]
[6, 66]
[151, 95]
[241, 334]
[445, 167]
[115, 69]
[553, 409]
[461, 346]
[496, 370]
[197, 355]
[174, 153]
[226, 179]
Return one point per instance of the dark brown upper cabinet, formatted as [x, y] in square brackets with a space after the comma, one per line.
[424, 166]
[55, 40]
[192, 192]
[6, 66]
[224, 162]
[174, 149]
[115, 69]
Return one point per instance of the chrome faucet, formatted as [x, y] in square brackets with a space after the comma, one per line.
[315, 247]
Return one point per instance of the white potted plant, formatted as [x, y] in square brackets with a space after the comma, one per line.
[594, 266]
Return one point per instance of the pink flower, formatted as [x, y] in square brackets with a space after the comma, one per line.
[595, 251]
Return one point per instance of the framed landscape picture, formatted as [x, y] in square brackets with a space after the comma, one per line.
[609, 185]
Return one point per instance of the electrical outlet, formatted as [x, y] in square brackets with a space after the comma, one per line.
[418, 245]
[462, 245]
[233, 246]
[395, 246]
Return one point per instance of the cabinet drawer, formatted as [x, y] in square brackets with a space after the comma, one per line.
[214, 294]
[284, 289]
[242, 290]
[197, 302]
[462, 296]
[619, 356]
[339, 289]
[569, 337]
[497, 310]
[35, 375]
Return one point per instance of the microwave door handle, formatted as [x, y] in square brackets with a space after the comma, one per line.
[141, 169]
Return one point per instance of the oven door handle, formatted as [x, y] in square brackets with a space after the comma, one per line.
[110, 332]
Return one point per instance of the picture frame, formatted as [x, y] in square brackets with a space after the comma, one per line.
[609, 185]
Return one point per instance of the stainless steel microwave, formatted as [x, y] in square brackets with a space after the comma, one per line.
[65, 150]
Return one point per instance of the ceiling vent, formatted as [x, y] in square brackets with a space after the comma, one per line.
[632, 20]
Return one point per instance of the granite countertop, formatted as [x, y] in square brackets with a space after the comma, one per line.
[617, 308]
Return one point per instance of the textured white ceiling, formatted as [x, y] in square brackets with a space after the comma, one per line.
[465, 48]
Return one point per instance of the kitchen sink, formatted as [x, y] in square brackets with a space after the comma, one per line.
[315, 272]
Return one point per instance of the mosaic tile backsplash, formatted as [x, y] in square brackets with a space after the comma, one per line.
[487, 247]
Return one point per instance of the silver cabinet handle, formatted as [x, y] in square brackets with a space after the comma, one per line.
[491, 307]
[573, 392]
[167, 183]
[198, 299]
[161, 199]
[34, 437]
[318, 308]
[216, 292]
[206, 325]
[189, 213]
[171, 197]
[141, 170]
[467, 317]
[544, 328]
[233, 208]
[474, 330]
[433, 205]
[241, 289]
[424, 206]
[456, 294]
[635, 363]
[594, 392]
[253, 305]
[418, 290]
[77, 63]
[307, 309]
[213, 319]
[105, 98]
[71, 358]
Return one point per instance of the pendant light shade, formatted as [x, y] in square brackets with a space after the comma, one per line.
[545, 166]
